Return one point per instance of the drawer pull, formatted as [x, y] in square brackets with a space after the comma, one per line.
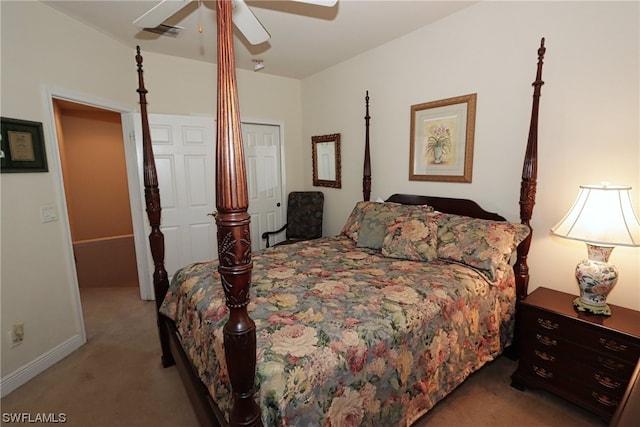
[545, 340]
[604, 399]
[612, 345]
[541, 372]
[607, 382]
[610, 364]
[545, 356]
[547, 324]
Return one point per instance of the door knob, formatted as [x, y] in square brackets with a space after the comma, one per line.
[278, 204]
[213, 214]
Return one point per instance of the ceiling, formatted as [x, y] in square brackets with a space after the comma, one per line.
[305, 39]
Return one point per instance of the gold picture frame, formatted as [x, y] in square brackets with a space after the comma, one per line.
[22, 146]
[442, 134]
[327, 164]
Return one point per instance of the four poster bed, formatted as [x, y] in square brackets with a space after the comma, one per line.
[372, 327]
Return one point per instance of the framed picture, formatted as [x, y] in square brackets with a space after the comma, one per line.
[442, 140]
[22, 146]
[326, 160]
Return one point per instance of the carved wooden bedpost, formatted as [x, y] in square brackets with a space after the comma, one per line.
[152, 199]
[234, 240]
[366, 173]
[529, 182]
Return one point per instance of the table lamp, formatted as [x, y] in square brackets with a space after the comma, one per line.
[603, 217]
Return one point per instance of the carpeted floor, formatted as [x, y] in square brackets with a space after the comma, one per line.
[116, 380]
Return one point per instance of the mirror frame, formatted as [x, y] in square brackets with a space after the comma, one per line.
[315, 140]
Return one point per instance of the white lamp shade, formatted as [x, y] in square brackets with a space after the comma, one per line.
[601, 215]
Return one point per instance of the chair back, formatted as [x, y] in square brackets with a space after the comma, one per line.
[304, 214]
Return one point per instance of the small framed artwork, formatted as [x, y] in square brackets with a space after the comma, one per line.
[22, 147]
[326, 160]
[442, 140]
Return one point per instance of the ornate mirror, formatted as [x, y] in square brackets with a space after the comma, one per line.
[326, 160]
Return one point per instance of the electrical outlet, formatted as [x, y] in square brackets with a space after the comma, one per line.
[17, 334]
[48, 213]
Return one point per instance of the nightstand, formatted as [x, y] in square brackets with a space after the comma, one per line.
[587, 359]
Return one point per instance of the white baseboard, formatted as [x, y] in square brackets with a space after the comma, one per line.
[25, 373]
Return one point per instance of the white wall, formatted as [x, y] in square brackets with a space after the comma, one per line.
[589, 119]
[38, 285]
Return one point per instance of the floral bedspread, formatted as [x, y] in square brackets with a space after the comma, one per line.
[346, 336]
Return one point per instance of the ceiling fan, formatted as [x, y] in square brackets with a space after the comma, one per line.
[243, 18]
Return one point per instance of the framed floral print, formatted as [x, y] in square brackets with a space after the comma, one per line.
[442, 140]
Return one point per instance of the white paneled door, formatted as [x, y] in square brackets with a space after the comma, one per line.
[264, 183]
[184, 150]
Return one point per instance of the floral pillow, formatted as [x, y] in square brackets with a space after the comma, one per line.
[374, 227]
[482, 244]
[354, 222]
[412, 236]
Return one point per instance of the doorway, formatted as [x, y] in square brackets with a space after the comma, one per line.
[96, 192]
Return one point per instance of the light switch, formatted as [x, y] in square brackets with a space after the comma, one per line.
[48, 213]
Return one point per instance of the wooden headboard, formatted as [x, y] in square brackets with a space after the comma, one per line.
[447, 205]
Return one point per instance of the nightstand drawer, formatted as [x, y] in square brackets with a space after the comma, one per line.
[550, 347]
[598, 400]
[609, 343]
[548, 364]
[613, 345]
[607, 383]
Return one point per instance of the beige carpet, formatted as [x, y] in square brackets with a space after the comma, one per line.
[116, 380]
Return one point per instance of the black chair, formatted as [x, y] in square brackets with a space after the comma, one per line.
[304, 217]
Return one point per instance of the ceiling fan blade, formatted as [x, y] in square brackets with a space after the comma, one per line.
[248, 24]
[160, 13]
[327, 3]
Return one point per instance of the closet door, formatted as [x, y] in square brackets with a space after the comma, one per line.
[184, 150]
[262, 150]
